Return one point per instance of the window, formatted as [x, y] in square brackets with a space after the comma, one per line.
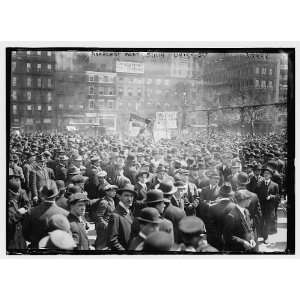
[129, 91]
[13, 66]
[29, 107]
[28, 96]
[101, 90]
[105, 78]
[263, 83]
[49, 96]
[91, 90]
[47, 121]
[120, 91]
[49, 83]
[49, 107]
[28, 67]
[39, 53]
[28, 82]
[14, 95]
[28, 53]
[91, 78]
[271, 72]
[39, 67]
[111, 91]
[49, 67]
[39, 82]
[14, 108]
[60, 106]
[39, 107]
[263, 71]
[91, 104]
[257, 83]
[270, 84]
[14, 53]
[158, 81]
[103, 67]
[257, 70]
[14, 81]
[48, 53]
[110, 104]
[101, 103]
[167, 81]
[139, 92]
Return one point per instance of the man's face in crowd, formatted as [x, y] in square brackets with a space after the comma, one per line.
[78, 209]
[194, 173]
[77, 163]
[101, 179]
[143, 178]
[160, 207]
[214, 181]
[111, 193]
[126, 198]
[180, 192]
[227, 161]
[257, 172]
[161, 175]
[267, 175]
[148, 228]
[140, 159]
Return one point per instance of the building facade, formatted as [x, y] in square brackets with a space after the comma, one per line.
[32, 90]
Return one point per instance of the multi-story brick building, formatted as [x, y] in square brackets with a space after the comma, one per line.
[32, 86]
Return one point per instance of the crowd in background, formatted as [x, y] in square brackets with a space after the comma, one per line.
[216, 194]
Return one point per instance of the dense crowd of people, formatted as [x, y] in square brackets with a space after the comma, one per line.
[187, 195]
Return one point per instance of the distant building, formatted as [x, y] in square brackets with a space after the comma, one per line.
[240, 78]
[32, 90]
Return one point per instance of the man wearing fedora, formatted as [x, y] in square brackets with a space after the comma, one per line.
[100, 214]
[61, 171]
[141, 188]
[238, 234]
[192, 231]
[77, 206]
[149, 221]
[39, 177]
[268, 195]
[120, 223]
[35, 224]
[254, 207]
[156, 199]
[61, 200]
[210, 192]
[216, 212]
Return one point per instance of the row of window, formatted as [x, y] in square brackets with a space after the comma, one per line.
[31, 107]
[30, 121]
[70, 106]
[40, 82]
[108, 91]
[263, 71]
[100, 104]
[29, 53]
[29, 95]
[157, 81]
[263, 84]
[30, 67]
[101, 78]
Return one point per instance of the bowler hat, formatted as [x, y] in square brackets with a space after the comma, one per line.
[180, 184]
[40, 158]
[161, 168]
[127, 188]
[191, 225]
[102, 173]
[95, 158]
[150, 215]
[158, 241]
[14, 157]
[141, 173]
[49, 190]
[167, 187]
[74, 171]
[212, 174]
[154, 196]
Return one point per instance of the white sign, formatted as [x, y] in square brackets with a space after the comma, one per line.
[129, 67]
[91, 115]
[167, 120]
